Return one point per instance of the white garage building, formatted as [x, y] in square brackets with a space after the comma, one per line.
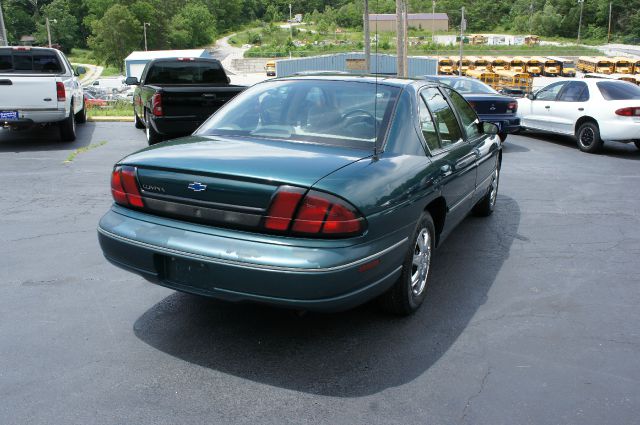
[134, 63]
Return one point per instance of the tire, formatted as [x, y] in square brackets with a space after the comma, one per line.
[68, 127]
[138, 122]
[81, 117]
[637, 143]
[485, 206]
[153, 136]
[588, 137]
[502, 136]
[409, 291]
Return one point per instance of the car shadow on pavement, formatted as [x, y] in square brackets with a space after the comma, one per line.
[47, 138]
[613, 149]
[350, 354]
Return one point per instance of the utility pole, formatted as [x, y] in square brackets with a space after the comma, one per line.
[55, 21]
[433, 21]
[367, 38]
[3, 30]
[405, 30]
[463, 26]
[609, 32]
[144, 27]
[581, 3]
[290, 17]
[531, 18]
[400, 46]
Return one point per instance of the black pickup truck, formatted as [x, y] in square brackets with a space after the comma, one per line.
[175, 95]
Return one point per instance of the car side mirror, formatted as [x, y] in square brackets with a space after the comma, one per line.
[132, 81]
[80, 70]
[531, 96]
[228, 80]
[488, 128]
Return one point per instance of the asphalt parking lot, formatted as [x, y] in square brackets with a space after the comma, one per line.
[532, 315]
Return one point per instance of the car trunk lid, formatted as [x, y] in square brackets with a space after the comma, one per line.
[488, 105]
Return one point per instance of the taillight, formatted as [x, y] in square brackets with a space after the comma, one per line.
[316, 213]
[512, 107]
[60, 91]
[633, 111]
[156, 104]
[124, 187]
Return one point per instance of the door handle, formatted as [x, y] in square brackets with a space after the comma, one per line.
[580, 109]
[547, 107]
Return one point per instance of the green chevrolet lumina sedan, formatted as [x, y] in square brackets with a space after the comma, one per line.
[314, 193]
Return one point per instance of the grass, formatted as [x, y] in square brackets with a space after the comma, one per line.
[84, 149]
[120, 108]
[79, 56]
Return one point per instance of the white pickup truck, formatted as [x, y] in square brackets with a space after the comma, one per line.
[39, 86]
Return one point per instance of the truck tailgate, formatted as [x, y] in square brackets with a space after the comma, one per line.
[196, 101]
[25, 92]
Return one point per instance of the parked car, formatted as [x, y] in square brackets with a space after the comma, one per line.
[110, 85]
[315, 193]
[175, 95]
[490, 105]
[92, 101]
[593, 110]
[39, 86]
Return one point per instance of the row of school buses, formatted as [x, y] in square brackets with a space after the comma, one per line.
[534, 66]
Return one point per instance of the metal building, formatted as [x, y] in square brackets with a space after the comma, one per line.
[134, 63]
[355, 63]
[383, 22]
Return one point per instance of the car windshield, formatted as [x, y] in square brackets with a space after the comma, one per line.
[618, 90]
[467, 86]
[348, 113]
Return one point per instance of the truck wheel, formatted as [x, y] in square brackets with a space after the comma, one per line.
[409, 291]
[138, 122]
[81, 117]
[153, 136]
[588, 136]
[68, 127]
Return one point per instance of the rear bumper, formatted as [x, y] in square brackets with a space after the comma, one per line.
[623, 130]
[28, 118]
[240, 266]
[175, 126]
[505, 123]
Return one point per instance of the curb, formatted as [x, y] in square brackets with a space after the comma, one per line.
[109, 119]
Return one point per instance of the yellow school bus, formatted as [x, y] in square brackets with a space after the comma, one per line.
[464, 66]
[270, 67]
[635, 79]
[636, 66]
[599, 65]
[517, 64]
[496, 64]
[622, 65]
[551, 67]
[477, 39]
[567, 66]
[476, 62]
[486, 76]
[533, 66]
[445, 66]
[515, 80]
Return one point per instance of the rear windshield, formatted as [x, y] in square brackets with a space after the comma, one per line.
[186, 72]
[30, 61]
[618, 90]
[467, 85]
[346, 113]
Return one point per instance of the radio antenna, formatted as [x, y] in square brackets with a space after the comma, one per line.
[375, 100]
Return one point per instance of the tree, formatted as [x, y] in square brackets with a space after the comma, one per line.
[115, 36]
[194, 26]
[64, 25]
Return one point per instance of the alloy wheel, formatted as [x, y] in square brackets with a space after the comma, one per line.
[421, 263]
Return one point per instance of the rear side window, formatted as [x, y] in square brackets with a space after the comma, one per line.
[618, 90]
[576, 91]
[428, 128]
[30, 61]
[445, 119]
[186, 72]
[550, 92]
[467, 114]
